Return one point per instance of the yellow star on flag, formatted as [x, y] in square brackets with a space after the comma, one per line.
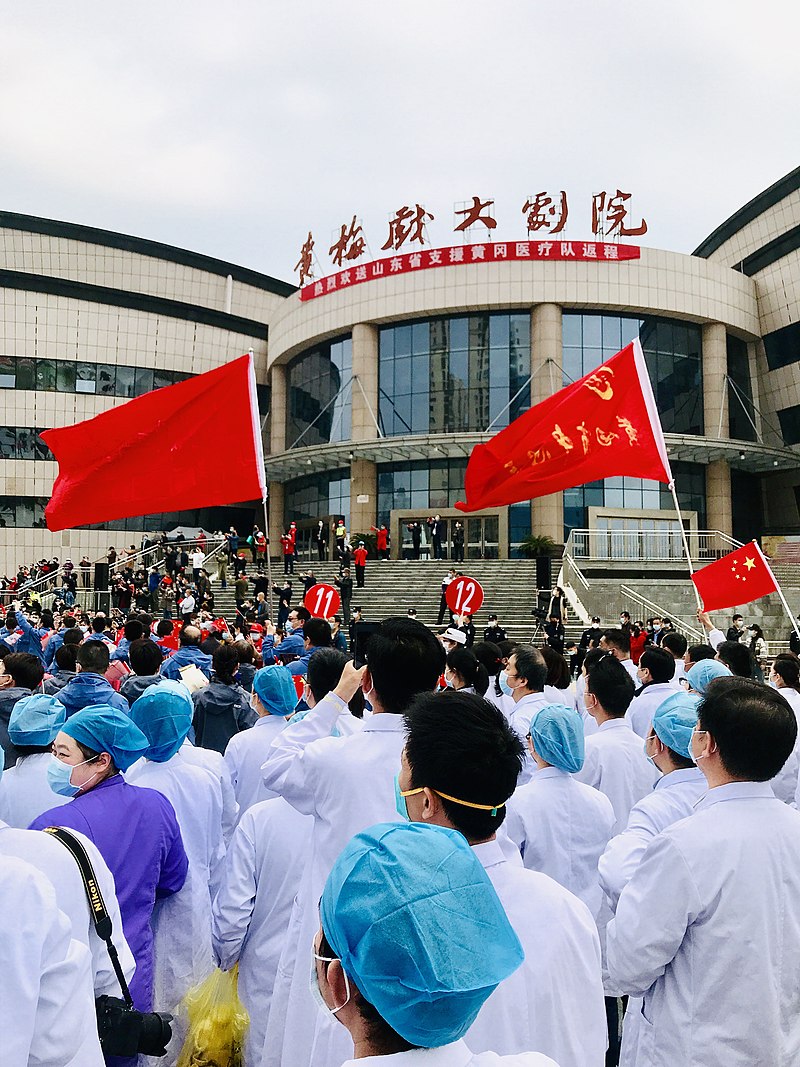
[750, 562]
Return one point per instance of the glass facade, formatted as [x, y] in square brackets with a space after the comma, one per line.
[427, 486]
[451, 375]
[318, 387]
[28, 513]
[782, 346]
[67, 376]
[741, 415]
[22, 442]
[317, 496]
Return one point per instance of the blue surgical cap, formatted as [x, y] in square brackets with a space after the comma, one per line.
[703, 673]
[36, 720]
[418, 926]
[674, 720]
[557, 735]
[275, 689]
[164, 715]
[106, 729]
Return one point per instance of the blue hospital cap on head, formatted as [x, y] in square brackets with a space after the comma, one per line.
[702, 674]
[418, 926]
[106, 729]
[674, 720]
[35, 720]
[275, 689]
[557, 736]
[164, 715]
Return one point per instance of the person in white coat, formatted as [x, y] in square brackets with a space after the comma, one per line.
[346, 783]
[526, 676]
[614, 762]
[618, 643]
[25, 792]
[404, 984]
[182, 922]
[676, 644]
[561, 826]
[273, 698]
[459, 767]
[211, 761]
[45, 980]
[655, 677]
[707, 931]
[263, 872]
[674, 797]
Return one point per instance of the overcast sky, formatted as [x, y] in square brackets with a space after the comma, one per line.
[233, 129]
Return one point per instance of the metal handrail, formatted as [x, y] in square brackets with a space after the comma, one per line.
[658, 612]
[652, 546]
[575, 569]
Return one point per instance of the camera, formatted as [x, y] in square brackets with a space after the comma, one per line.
[539, 614]
[124, 1031]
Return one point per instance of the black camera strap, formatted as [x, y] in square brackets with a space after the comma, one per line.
[97, 907]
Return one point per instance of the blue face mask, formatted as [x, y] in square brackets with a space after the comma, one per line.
[506, 688]
[400, 801]
[59, 778]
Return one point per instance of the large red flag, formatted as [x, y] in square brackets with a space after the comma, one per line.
[604, 425]
[738, 578]
[152, 454]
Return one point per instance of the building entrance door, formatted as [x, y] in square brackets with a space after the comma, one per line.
[307, 539]
[481, 537]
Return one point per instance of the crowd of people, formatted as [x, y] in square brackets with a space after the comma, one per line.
[443, 851]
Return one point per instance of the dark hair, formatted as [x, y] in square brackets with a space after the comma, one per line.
[66, 657]
[675, 643]
[506, 647]
[226, 663]
[530, 665]
[133, 630]
[753, 726]
[465, 663]
[93, 656]
[593, 656]
[302, 613]
[244, 650]
[163, 628]
[464, 746]
[191, 636]
[68, 622]
[619, 639]
[787, 666]
[146, 620]
[324, 671]
[659, 662]
[73, 636]
[737, 657]
[318, 632]
[612, 685]
[404, 658]
[48, 620]
[99, 623]
[700, 652]
[488, 653]
[557, 668]
[26, 670]
[145, 656]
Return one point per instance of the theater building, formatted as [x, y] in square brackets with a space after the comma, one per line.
[378, 381]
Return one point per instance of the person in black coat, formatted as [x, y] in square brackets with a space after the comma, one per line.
[458, 543]
[321, 538]
[345, 584]
[416, 539]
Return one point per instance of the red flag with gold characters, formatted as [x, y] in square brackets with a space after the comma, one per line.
[602, 426]
[738, 578]
[151, 454]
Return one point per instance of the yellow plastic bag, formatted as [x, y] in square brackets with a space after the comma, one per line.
[217, 1022]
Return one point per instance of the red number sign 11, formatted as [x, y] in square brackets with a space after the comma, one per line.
[464, 596]
[323, 600]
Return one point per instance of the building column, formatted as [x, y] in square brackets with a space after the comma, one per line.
[547, 512]
[364, 390]
[277, 411]
[363, 495]
[275, 508]
[719, 513]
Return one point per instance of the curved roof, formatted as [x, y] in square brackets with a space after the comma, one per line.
[789, 183]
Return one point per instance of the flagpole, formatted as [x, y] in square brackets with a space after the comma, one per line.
[269, 561]
[685, 542]
[778, 589]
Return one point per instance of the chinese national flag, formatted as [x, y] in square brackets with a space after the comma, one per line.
[151, 454]
[604, 425]
[738, 578]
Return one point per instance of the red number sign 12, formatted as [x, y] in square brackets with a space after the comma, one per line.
[464, 596]
[323, 600]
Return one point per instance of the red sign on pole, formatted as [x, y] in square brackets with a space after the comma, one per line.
[323, 600]
[464, 596]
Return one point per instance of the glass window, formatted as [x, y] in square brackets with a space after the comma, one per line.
[46, 375]
[126, 381]
[162, 378]
[7, 511]
[319, 392]
[40, 449]
[8, 373]
[782, 346]
[26, 374]
[25, 443]
[65, 376]
[106, 379]
[8, 442]
[86, 379]
[741, 411]
[143, 381]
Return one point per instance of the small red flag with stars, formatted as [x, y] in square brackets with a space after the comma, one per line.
[738, 578]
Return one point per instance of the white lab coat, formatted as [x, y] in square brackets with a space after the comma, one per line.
[565, 697]
[244, 755]
[631, 668]
[347, 784]
[456, 1054]
[589, 723]
[707, 931]
[45, 978]
[182, 922]
[210, 760]
[520, 712]
[673, 798]
[554, 1001]
[25, 792]
[615, 764]
[263, 871]
[561, 828]
[644, 706]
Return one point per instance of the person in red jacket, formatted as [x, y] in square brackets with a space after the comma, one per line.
[381, 541]
[287, 544]
[360, 561]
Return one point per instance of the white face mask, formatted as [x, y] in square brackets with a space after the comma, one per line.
[314, 989]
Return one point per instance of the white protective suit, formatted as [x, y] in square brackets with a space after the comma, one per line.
[707, 931]
[644, 706]
[45, 977]
[263, 871]
[347, 784]
[212, 761]
[244, 755]
[561, 828]
[25, 792]
[554, 1001]
[615, 764]
[456, 1054]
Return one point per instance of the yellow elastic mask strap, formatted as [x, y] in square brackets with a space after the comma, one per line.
[454, 800]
